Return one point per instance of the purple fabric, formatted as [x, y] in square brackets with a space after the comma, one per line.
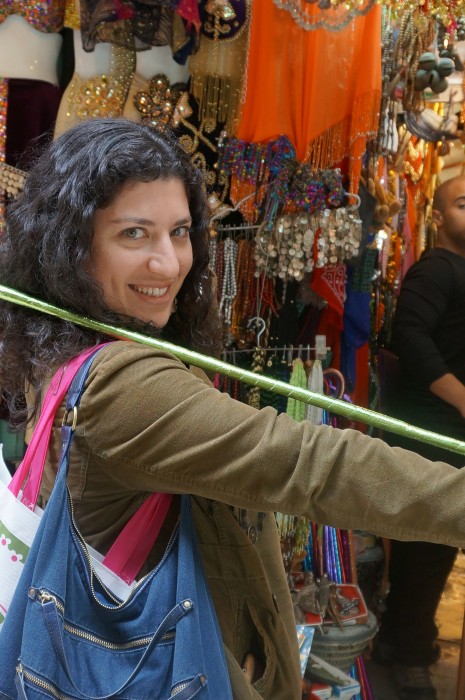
[32, 110]
[235, 24]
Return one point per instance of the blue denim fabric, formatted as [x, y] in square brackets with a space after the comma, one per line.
[65, 634]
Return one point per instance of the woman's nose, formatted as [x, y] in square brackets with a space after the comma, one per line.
[163, 259]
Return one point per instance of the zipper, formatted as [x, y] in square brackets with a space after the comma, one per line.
[182, 686]
[52, 690]
[40, 683]
[179, 688]
[46, 597]
[115, 600]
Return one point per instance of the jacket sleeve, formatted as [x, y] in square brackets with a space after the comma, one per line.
[151, 425]
[423, 300]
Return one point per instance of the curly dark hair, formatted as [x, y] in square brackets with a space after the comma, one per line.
[47, 242]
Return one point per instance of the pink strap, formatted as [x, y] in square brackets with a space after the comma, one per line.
[32, 465]
[135, 541]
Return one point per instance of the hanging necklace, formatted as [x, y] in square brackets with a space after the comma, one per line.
[229, 288]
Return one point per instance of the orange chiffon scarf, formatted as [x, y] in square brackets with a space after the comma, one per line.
[319, 88]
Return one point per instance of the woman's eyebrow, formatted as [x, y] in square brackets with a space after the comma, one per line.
[132, 219]
[148, 222]
[182, 222]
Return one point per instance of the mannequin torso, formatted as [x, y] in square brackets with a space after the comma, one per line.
[28, 53]
[89, 64]
[159, 59]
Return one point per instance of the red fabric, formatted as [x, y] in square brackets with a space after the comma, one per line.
[189, 10]
[330, 283]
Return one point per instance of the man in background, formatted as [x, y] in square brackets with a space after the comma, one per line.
[429, 339]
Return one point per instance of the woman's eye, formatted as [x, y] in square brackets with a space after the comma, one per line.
[134, 233]
[181, 232]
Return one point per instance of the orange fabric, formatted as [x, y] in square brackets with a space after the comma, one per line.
[321, 89]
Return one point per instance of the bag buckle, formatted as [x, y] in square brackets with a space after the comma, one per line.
[66, 415]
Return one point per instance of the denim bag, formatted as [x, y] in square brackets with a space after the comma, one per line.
[67, 636]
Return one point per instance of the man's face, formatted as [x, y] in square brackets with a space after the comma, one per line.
[450, 219]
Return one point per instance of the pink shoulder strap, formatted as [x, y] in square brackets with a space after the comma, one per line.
[134, 543]
[32, 465]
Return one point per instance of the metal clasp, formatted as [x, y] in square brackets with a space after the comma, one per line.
[66, 415]
[45, 597]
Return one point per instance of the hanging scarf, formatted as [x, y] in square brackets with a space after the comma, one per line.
[296, 409]
[315, 384]
[321, 89]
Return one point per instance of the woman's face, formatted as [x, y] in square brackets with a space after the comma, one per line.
[141, 249]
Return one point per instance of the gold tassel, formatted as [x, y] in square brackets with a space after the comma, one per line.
[218, 93]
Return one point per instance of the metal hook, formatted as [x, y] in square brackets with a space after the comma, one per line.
[259, 241]
[290, 355]
[224, 209]
[258, 321]
[353, 207]
[332, 372]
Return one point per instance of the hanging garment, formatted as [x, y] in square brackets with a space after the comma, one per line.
[98, 96]
[320, 89]
[218, 67]
[136, 24]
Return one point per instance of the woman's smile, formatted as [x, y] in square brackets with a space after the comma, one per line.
[151, 291]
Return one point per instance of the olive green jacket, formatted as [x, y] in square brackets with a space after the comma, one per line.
[147, 423]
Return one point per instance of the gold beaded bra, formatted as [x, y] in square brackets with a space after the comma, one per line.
[44, 15]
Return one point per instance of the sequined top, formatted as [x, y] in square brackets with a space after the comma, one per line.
[72, 18]
[44, 15]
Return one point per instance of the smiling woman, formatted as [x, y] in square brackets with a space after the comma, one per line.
[110, 206]
[113, 224]
[141, 249]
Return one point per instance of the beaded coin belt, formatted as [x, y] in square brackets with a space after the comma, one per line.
[11, 180]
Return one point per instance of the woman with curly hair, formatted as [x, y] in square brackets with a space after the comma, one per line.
[113, 224]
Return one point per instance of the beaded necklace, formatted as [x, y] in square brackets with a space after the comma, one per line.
[242, 307]
[229, 286]
[386, 109]
[219, 268]
[3, 113]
